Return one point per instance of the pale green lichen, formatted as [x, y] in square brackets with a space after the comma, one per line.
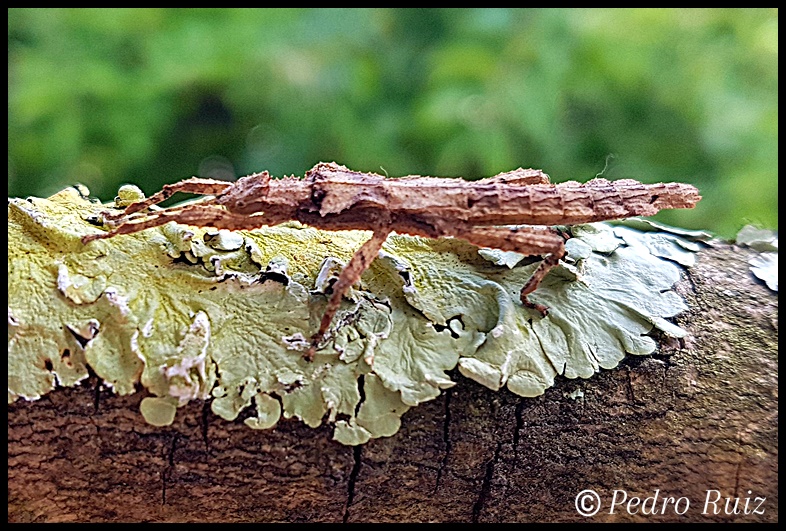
[647, 225]
[509, 259]
[379, 415]
[764, 266]
[760, 239]
[200, 314]
[661, 240]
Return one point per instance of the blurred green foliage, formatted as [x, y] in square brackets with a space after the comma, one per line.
[150, 96]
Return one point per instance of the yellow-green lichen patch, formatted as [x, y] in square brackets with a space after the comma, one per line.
[200, 314]
[268, 412]
[188, 373]
[159, 411]
[78, 288]
[379, 415]
[127, 194]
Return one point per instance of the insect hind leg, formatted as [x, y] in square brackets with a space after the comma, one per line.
[528, 241]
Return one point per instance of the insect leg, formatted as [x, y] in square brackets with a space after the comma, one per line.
[526, 240]
[351, 274]
[198, 215]
[194, 185]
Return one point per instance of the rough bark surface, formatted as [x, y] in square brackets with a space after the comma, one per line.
[699, 416]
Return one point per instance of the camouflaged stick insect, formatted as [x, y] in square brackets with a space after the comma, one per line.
[494, 212]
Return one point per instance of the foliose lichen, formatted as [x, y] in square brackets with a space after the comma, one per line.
[764, 266]
[199, 314]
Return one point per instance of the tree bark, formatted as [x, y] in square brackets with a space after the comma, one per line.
[696, 421]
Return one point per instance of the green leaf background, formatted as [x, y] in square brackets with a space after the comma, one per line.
[151, 96]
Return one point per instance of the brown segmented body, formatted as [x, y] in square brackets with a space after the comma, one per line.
[492, 201]
[482, 212]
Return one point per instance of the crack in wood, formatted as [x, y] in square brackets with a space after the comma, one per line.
[96, 396]
[485, 488]
[204, 425]
[631, 393]
[737, 478]
[446, 439]
[168, 470]
[353, 476]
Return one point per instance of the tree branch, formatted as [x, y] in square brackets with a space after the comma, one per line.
[696, 417]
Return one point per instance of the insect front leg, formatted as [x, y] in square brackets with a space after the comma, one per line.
[360, 261]
[194, 185]
[525, 240]
[197, 215]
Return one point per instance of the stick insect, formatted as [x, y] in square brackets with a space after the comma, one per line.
[511, 211]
